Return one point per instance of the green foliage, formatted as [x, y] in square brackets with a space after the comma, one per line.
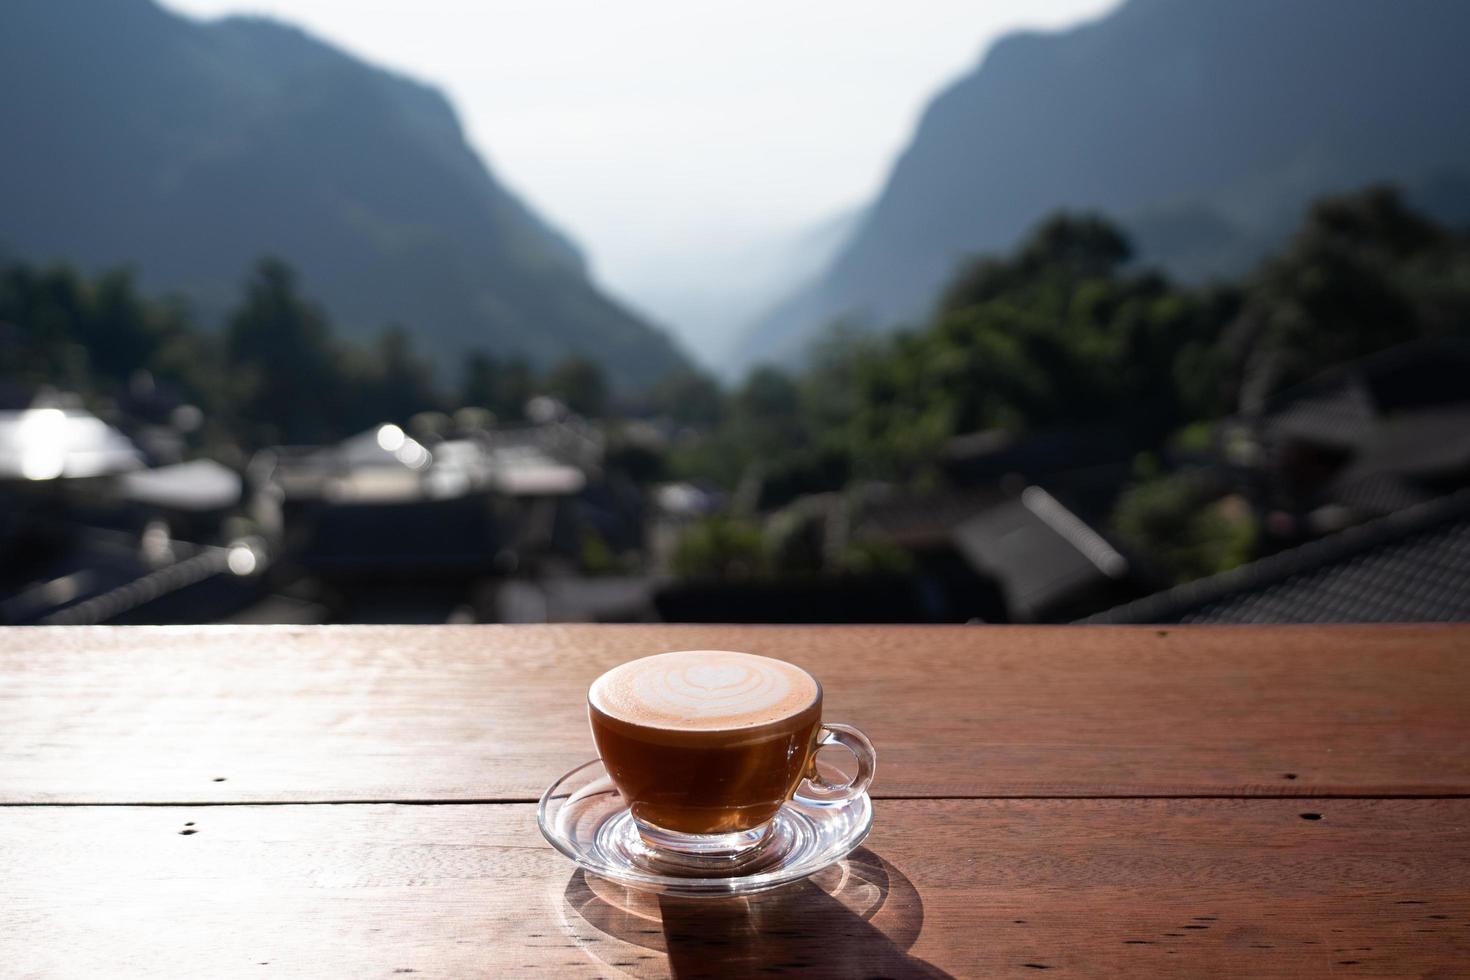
[689, 397]
[763, 411]
[503, 387]
[1064, 333]
[1365, 272]
[1061, 333]
[1179, 522]
[597, 557]
[276, 374]
[1057, 334]
[794, 541]
[1064, 246]
[872, 555]
[640, 462]
[763, 426]
[580, 385]
[1195, 439]
[58, 329]
[397, 383]
[720, 547]
[292, 381]
[282, 362]
[715, 457]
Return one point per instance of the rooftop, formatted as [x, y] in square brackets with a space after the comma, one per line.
[1413, 565]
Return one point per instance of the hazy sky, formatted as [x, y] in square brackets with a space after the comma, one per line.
[663, 134]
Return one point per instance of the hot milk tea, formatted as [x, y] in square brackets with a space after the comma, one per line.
[705, 741]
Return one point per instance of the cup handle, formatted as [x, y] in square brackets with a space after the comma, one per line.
[816, 789]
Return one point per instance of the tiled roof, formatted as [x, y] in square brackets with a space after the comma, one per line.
[1038, 551]
[1397, 422]
[1342, 417]
[1418, 374]
[1421, 443]
[1412, 566]
[1379, 493]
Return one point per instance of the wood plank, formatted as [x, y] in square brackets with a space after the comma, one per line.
[494, 713]
[1185, 888]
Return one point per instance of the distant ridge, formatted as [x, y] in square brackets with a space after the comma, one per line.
[189, 149]
[1203, 127]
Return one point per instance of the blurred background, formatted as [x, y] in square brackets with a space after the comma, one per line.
[316, 311]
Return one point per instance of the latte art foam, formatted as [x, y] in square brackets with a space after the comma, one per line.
[703, 690]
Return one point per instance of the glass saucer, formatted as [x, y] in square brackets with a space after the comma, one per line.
[584, 817]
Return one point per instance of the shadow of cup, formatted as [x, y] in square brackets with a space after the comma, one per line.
[857, 918]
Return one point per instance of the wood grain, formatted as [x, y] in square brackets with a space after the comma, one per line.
[1133, 888]
[257, 714]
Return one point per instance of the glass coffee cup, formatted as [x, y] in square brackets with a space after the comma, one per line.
[706, 746]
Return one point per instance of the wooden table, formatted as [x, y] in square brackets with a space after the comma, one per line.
[359, 802]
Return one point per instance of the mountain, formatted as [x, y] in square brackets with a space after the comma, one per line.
[189, 149]
[711, 293]
[1203, 127]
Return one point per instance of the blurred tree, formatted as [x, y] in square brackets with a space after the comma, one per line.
[639, 461]
[579, 384]
[1064, 246]
[283, 362]
[503, 387]
[760, 427]
[58, 329]
[767, 396]
[830, 386]
[42, 311]
[597, 557]
[720, 547]
[1060, 333]
[1182, 525]
[1365, 272]
[765, 414]
[795, 541]
[1056, 335]
[873, 555]
[689, 397]
[399, 383]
